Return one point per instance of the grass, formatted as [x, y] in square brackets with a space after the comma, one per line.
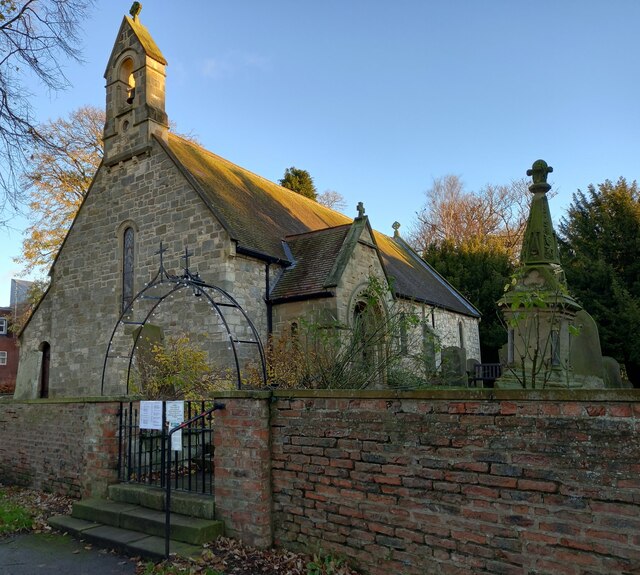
[13, 518]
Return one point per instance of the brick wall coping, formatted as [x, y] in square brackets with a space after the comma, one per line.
[611, 395]
[64, 400]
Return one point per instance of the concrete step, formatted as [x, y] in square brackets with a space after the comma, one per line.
[192, 530]
[152, 497]
[126, 541]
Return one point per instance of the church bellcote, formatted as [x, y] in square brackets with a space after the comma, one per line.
[135, 82]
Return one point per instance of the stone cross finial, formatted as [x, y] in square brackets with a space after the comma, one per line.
[136, 8]
[161, 252]
[396, 227]
[539, 171]
[185, 257]
[360, 208]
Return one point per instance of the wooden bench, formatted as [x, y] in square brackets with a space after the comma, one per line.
[485, 373]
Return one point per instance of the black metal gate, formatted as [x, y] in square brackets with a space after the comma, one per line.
[142, 456]
[236, 332]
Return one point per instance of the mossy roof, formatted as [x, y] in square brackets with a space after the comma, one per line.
[269, 220]
[314, 254]
[150, 47]
[256, 212]
[413, 278]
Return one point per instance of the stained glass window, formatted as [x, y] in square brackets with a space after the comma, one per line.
[127, 267]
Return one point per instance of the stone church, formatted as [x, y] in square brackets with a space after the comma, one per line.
[281, 256]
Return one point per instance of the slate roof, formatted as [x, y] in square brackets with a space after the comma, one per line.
[314, 254]
[237, 196]
[268, 220]
[413, 278]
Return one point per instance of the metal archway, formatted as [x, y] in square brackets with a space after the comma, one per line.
[146, 303]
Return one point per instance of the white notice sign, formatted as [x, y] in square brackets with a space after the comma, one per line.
[150, 415]
[175, 416]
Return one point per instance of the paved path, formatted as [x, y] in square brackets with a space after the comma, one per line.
[50, 554]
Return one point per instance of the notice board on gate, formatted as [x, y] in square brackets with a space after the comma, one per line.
[151, 415]
[151, 418]
[175, 417]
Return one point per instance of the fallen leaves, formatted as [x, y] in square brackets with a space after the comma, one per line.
[40, 505]
[229, 557]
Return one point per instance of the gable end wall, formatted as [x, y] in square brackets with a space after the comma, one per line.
[83, 304]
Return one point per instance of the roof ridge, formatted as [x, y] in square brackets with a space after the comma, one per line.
[438, 276]
[229, 162]
[242, 168]
[316, 232]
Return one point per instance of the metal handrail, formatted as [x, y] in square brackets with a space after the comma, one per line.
[167, 520]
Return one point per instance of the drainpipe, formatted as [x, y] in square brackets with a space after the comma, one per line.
[267, 300]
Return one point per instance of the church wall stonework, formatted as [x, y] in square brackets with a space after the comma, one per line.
[321, 310]
[127, 127]
[447, 326]
[84, 301]
[363, 265]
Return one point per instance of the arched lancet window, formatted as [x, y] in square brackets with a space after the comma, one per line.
[128, 244]
[461, 335]
[45, 349]
[126, 76]
[367, 331]
[369, 341]
[360, 335]
[404, 335]
[429, 347]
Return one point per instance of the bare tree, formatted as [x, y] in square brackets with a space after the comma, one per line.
[495, 213]
[56, 182]
[332, 199]
[35, 36]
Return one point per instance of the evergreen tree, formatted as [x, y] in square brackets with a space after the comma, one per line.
[600, 250]
[473, 239]
[479, 271]
[299, 181]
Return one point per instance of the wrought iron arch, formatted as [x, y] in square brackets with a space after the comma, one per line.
[167, 285]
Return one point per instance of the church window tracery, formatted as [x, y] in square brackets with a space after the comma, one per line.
[128, 245]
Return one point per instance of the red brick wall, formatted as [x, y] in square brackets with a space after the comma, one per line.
[439, 484]
[8, 372]
[61, 447]
[499, 482]
[243, 468]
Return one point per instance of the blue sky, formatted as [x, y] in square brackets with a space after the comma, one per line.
[375, 98]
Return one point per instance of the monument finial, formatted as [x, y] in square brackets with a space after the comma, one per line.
[539, 171]
[360, 208]
[396, 229]
[136, 8]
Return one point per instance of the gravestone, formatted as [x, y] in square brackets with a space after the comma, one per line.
[586, 354]
[454, 365]
[612, 377]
